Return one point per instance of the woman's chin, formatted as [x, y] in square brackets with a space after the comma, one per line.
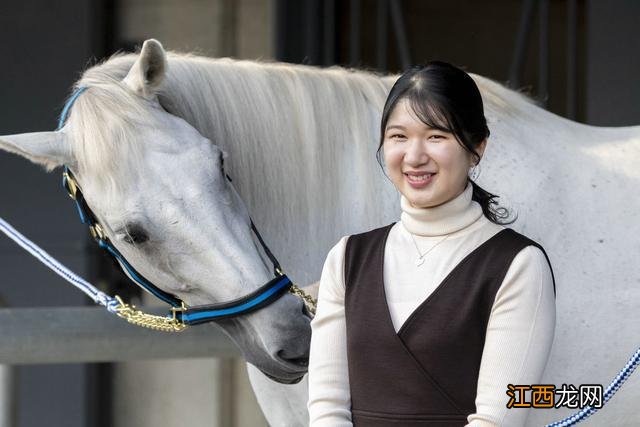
[423, 205]
[420, 198]
[421, 202]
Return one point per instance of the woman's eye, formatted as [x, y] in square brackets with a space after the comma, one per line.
[397, 136]
[437, 137]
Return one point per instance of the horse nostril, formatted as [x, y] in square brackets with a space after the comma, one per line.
[301, 362]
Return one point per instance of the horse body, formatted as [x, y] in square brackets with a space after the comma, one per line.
[300, 146]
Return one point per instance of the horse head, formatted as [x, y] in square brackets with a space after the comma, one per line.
[160, 191]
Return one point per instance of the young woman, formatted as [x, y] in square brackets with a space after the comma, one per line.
[428, 320]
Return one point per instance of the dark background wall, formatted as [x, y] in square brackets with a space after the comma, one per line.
[613, 68]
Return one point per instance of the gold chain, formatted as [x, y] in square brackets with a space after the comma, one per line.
[308, 299]
[139, 318]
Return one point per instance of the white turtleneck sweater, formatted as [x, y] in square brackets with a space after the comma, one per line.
[521, 325]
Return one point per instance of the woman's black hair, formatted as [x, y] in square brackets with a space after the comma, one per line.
[446, 98]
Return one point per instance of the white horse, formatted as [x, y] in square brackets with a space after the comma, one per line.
[148, 137]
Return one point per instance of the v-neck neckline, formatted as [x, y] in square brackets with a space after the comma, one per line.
[444, 281]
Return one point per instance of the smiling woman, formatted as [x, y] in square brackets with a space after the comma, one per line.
[402, 337]
[425, 105]
[416, 155]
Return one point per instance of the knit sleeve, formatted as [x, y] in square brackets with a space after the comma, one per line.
[329, 396]
[518, 342]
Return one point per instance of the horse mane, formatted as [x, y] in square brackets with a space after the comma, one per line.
[297, 136]
[501, 100]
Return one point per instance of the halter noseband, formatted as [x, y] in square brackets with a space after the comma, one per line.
[181, 315]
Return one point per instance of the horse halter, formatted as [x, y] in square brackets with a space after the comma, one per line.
[181, 315]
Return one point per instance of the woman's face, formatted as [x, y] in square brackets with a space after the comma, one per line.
[428, 166]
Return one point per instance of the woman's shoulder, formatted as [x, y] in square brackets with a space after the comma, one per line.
[491, 229]
[337, 250]
[529, 251]
[531, 261]
[336, 255]
[531, 254]
[372, 232]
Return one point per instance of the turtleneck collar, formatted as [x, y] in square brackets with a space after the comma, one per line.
[454, 215]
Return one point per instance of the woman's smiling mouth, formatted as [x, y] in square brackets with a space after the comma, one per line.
[419, 179]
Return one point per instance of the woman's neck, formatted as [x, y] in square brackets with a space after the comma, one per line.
[449, 217]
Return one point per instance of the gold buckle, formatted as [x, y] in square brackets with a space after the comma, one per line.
[181, 309]
[71, 186]
[97, 232]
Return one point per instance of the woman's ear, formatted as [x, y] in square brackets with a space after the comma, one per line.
[480, 149]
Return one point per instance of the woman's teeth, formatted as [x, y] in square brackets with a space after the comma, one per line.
[419, 178]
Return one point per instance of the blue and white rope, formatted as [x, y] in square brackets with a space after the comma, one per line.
[615, 385]
[91, 291]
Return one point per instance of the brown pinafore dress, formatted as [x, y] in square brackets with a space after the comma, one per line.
[426, 374]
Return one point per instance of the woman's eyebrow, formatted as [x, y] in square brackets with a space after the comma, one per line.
[427, 128]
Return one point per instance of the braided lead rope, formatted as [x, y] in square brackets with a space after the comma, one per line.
[91, 291]
[615, 385]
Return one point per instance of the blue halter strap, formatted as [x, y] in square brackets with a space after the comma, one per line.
[257, 299]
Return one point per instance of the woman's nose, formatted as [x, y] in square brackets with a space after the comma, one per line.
[416, 153]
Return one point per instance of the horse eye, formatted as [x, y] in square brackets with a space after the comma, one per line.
[135, 235]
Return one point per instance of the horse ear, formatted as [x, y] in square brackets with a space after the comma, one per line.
[48, 149]
[148, 71]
